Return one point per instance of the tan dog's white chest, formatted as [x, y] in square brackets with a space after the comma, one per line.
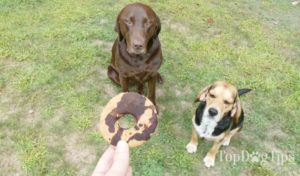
[206, 129]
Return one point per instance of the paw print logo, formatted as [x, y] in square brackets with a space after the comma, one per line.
[255, 157]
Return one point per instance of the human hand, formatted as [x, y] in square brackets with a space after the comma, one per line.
[114, 161]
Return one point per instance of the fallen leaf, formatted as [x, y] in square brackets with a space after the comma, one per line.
[210, 21]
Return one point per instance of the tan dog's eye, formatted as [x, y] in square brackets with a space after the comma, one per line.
[212, 95]
[226, 102]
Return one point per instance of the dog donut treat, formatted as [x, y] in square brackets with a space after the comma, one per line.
[140, 107]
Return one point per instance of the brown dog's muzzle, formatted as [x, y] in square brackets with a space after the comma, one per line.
[136, 44]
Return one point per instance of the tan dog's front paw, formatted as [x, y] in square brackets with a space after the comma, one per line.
[191, 148]
[209, 161]
[226, 142]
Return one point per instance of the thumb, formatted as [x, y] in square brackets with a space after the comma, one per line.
[121, 160]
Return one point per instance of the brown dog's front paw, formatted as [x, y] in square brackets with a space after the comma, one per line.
[113, 74]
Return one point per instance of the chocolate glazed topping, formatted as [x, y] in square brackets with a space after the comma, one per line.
[130, 103]
[111, 120]
[145, 135]
[117, 137]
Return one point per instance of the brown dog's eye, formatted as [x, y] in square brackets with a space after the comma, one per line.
[147, 23]
[128, 22]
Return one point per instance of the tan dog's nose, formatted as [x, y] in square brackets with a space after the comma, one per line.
[212, 112]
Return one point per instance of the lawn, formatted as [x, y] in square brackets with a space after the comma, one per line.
[53, 84]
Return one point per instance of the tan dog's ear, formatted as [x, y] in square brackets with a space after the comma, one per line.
[237, 109]
[202, 94]
[117, 27]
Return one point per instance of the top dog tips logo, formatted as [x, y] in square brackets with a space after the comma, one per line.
[257, 157]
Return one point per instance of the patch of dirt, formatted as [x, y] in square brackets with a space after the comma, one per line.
[102, 44]
[290, 17]
[110, 90]
[10, 164]
[183, 91]
[178, 92]
[103, 73]
[210, 171]
[185, 105]
[275, 133]
[97, 112]
[10, 105]
[272, 135]
[92, 80]
[103, 21]
[270, 146]
[159, 92]
[30, 116]
[14, 103]
[80, 155]
[229, 150]
[56, 120]
[11, 112]
[213, 31]
[291, 53]
[179, 131]
[246, 172]
[179, 27]
[10, 63]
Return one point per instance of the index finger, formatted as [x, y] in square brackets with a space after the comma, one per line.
[121, 160]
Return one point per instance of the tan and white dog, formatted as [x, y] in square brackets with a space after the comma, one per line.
[218, 117]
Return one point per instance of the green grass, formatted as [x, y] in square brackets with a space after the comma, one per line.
[32, 152]
[53, 83]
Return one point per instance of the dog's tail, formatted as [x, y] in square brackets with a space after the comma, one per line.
[243, 91]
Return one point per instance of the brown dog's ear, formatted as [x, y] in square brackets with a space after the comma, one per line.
[202, 94]
[117, 27]
[158, 26]
[237, 109]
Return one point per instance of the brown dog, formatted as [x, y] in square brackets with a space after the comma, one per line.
[136, 53]
[218, 117]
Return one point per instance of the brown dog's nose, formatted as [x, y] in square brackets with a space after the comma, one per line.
[212, 111]
[137, 46]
